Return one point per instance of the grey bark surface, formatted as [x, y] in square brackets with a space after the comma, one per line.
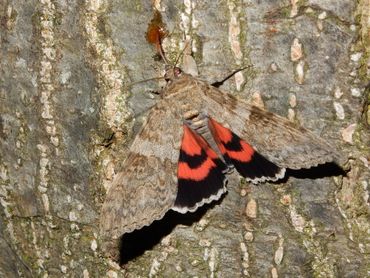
[68, 117]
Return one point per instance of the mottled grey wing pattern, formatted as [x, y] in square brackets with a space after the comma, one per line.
[147, 186]
[275, 137]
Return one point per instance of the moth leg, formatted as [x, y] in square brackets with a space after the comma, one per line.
[218, 84]
[154, 92]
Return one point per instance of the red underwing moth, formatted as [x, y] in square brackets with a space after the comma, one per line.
[191, 138]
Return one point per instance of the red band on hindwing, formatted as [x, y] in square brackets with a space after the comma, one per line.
[189, 143]
[193, 144]
[245, 155]
[197, 174]
[224, 139]
[245, 159]
[200, 173]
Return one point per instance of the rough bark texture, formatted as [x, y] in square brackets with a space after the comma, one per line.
[67, 120]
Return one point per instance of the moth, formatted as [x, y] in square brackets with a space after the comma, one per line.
[192, 137]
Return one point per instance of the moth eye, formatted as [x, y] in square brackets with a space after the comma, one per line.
[177, 72]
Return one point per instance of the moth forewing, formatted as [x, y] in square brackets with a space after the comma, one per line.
[282, 142]
[146, 188]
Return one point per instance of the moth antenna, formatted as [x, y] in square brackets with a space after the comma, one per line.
[181, 53]
[145, 80]
[160, 50]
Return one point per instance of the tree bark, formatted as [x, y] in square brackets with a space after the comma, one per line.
[68, 115]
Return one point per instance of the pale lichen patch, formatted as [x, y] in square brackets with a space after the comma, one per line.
[85, 273]
[273, 67]
[300, 72]
[157, 5]
[286, 200]
[322, 264]
[319, 25]
[63, 269]
[251, 209]
[72, 216]
[355, 92]
[355, 57]
[204, 243]
[297, 220]
[45, 202]
[46, 82]
[46, 90]
[213, 261]
[256, 100]
[292, 100]
[115, 112]
[114, 265]
[338, 93]
[188, 25]
[297, 57]
[112, 274]
[44, 166]
[40, 256]
[4, 193]
[274, 273]
[352, 202]
[339, 110]
[94, 245]
[178, 267]
[109, 172]
[235, 40]
[248, 236]
[309, 10]
[347, 133]
[154, 268]
[201, 225]
[291, 114]
[322, 15]
[296, 52]
[279, 253]
[245, 258]
[10, 18]
[243, 192]
[294, 8]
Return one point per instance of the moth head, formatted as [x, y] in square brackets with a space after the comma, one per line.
[172, 73]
